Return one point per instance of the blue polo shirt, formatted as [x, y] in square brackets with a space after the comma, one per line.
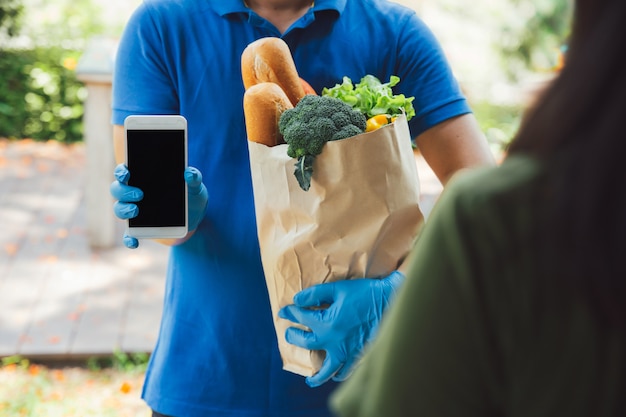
[217, 353]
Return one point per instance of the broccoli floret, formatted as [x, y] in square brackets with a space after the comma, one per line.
[299, 132]
[358, 119]
[341, 119]
[314, 121]
[346, 132]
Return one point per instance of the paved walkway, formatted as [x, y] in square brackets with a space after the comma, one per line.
[60, 298]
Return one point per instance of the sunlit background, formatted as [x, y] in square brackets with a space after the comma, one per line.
[501, 51]
[67, 286]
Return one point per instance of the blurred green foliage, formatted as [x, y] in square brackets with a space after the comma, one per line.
[498, 122]
[533, 34]
[40, 97]
[10, 12]
[531, 38]
[121, 361]
[63, 23]
[40, 43]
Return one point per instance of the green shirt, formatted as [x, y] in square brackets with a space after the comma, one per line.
[478, 328]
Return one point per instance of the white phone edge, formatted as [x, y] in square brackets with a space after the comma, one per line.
[157, 122]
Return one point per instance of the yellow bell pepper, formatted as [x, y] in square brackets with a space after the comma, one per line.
[377, 121]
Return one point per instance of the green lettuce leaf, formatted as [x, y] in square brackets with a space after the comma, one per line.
[371, 97]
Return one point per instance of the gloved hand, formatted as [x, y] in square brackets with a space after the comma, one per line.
[126, 196]
[342, 329]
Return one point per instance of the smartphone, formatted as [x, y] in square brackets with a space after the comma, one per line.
[156, 157]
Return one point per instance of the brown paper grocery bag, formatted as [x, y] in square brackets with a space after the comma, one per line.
[358, 219]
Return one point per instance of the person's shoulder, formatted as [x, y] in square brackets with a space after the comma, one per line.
[170, 3]
[384, 9]
[385, 6]
[513, 172]
[507, 184]
[398, 22]
[489, 209]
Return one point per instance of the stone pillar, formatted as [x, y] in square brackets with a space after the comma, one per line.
[95, 70]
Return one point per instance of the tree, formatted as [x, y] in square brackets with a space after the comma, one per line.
[63, 23]
[532, 39]
[524, 35]
[10, 13]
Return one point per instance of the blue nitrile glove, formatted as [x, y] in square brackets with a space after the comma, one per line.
[350, 321]
[126, 196]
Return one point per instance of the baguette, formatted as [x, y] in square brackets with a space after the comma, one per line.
[263, 103]
[269, 60]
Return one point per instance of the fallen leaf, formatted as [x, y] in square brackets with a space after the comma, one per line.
[73, 316]
[25, 142]
[125, 388]
[11, 367]
[58, 375]
[34, 369]
[42, 167]
[26, 160]
[48, 258]
[11, 248]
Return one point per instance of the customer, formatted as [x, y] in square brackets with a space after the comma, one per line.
[217, 353]
[515, 300]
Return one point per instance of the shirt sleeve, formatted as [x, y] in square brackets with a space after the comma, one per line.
[432, 356]
[427, 74]
[143, 81]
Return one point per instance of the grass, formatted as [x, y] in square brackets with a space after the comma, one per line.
[102, 387]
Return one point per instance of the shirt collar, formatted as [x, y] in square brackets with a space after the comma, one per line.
[224, 8]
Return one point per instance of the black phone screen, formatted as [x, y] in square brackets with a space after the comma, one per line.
[156, 162]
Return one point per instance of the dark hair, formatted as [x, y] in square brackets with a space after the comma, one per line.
[579, 126]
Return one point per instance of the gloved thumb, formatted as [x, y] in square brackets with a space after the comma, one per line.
[198, 196]
[329, 368]
[130, 242]
[193, 178]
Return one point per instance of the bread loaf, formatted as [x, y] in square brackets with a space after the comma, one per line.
[263, 103]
